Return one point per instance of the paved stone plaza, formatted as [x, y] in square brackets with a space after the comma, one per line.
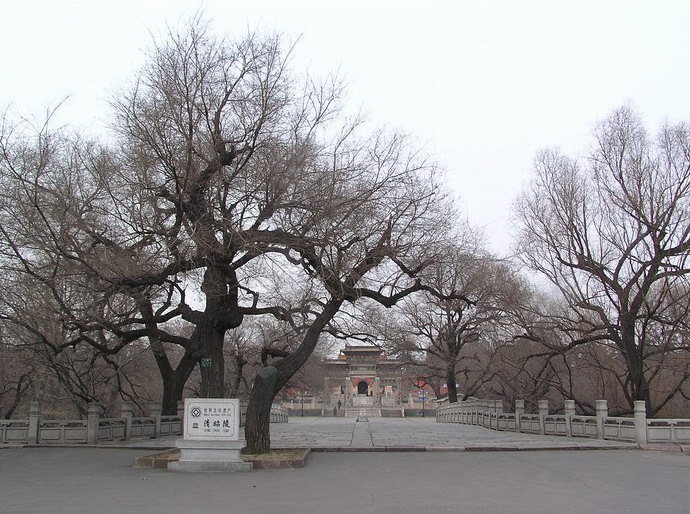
[413, 433]
[401, 434]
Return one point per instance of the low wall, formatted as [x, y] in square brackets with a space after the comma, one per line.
[419, 413]
[298, 412]
[95, 429]
[638, 429]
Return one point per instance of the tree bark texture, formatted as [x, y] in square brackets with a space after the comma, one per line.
[258, 424]
[221, 313]
[450, 380]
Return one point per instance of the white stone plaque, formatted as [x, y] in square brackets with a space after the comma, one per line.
[211, 418]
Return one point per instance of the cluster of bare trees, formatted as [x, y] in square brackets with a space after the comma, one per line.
[611, 233]
[235, 218]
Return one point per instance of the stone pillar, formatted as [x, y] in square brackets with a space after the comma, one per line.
[569, 410]
[126, 413]
[156, 411]
[640, 422]
[569, 407]
[602, 414]
[92, 419]
[543, 407]
[519, 411]
[180, 414]
[34, 422]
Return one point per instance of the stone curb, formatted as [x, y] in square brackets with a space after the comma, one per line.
[666, 447]
[91, 446]
[478, 448]
[158, 460]
[161, 459]
[299, 462]
[440, 449]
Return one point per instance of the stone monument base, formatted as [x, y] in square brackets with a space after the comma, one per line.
[198, 456]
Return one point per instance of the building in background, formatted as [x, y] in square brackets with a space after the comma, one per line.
[364, 377]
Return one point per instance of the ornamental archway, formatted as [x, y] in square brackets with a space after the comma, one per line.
[362, 387]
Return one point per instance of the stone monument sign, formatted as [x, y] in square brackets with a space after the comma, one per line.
[211, 436]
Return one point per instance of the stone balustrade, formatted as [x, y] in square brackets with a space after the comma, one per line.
[638, 429]
[95, 429]
[278, 415]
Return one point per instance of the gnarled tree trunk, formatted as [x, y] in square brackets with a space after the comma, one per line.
[173, 384]
[258, 424]
[271, 379]
[450, 381]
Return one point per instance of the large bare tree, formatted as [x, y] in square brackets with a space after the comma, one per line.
[452, 337]
[231, 187]
[612, 233]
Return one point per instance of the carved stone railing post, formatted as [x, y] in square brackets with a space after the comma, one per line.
[156, 411]
[180, 413]
[602, 414]
[640, 422]
[519, 411]
[92, 422]
[127, 414]
[569, 411]
[543, 412]
[34, 422]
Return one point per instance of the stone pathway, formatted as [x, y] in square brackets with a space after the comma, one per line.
[398, 434]
[420, 434]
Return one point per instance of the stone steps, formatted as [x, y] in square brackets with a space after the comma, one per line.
[363, 412]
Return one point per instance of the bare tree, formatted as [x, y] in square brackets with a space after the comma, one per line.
[16, 377]
[33, 332]
[612, 233]
[450, 339]
[371, 246]
[214, 168]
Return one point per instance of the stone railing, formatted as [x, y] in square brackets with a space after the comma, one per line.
[92, 430]
[638, 429]
[95, 429]
[307, 403]
[278, 415]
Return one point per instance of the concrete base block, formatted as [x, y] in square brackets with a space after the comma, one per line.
[199, 466]
[220, 456]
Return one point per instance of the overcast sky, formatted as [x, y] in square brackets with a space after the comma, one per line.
[483, 84]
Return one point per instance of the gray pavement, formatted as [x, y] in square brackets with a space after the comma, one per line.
[414, 433]
[391, 434]
[102, 481]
